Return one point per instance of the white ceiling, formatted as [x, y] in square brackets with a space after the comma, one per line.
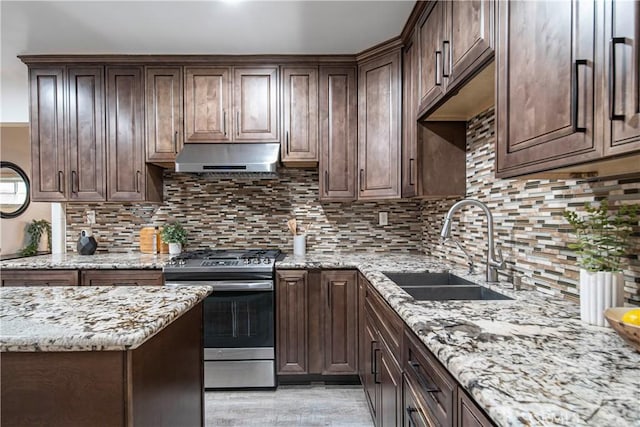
[184, 27]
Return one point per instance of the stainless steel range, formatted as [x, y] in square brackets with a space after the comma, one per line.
[238, 318]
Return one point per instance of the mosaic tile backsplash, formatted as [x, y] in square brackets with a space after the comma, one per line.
[243, 212]
[528, 219]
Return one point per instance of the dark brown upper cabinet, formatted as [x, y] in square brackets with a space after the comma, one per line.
[255, 104]
[379, 131]
[622, 56]
[545, 100]
[338, 133]
[50, 180]
[129, 178]
[207, 104]
[87, 149]
[163, 110]
[431, 29]
[68, 133]
[225, 104]
[300, 115]
[456, 41]
[410, 86]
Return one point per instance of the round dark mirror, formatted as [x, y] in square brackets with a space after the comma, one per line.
[14, 190]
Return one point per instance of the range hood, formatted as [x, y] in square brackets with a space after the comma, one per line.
[233, 158]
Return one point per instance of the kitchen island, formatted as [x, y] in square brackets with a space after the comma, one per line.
[117, 356]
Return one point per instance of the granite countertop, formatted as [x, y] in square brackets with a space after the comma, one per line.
[89, 318]
[123, 261]
[526, 361]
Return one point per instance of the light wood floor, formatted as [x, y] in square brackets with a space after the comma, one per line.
[290, 406]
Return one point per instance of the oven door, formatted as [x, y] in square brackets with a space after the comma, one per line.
[239, 319]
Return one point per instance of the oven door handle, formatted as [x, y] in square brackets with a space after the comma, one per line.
[228, 285]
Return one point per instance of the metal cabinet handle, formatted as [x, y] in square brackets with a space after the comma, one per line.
[446, 53]
[424, 383]
[60, 179]
[326, 182]
[329, 294]
[238, 123]
[411, 181]
[410, 412]
[375, 371]
[612, 78]
[361, 179]
[75, 183]
[437, 64]
[576, 95]
[373, 358]
[175, 140]
[224, 122]
[286, 141]
[138, 173]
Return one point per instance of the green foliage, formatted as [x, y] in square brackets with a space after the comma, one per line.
[603, 235]
[35, 231]
[174, 233]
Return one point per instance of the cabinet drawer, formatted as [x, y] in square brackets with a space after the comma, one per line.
[389, 323]
[415, 414]
[122, 278]
[39, 278]
[432, 383]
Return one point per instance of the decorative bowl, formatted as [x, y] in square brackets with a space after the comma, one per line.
[629, 333]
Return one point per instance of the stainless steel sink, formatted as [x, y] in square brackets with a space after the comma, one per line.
[442, 286]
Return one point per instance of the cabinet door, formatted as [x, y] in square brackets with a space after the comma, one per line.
[370, 353]
[300, 109]
[471, 39]
[389, 375]
[207, 104]
[409, 115]
[163, 112]
[545, 86]
[121, 278]
[340, 322]
[255, 104]
[48, 151]
[39, 278]
[468, 413]
[125, 134]
[291, 321]
[431, 28]
[338, 133]
[622, 55]
[379, 138]
[87, 148]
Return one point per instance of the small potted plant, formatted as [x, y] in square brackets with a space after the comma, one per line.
[175, 235]
[603, 238]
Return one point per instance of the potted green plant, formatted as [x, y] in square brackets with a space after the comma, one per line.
[36, 229]
[175, 235]
[602, 240]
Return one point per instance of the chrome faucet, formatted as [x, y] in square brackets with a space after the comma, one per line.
[494, 263]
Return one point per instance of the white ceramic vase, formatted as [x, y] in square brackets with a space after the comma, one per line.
[175, 248]
[598, 291]
[299, 245]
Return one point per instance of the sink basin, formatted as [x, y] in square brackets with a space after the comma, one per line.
[442, 287]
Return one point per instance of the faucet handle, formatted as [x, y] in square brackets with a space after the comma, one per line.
[498, 262]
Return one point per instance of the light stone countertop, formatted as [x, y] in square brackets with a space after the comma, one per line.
[527, 361]
[73, 261]
[89, 318]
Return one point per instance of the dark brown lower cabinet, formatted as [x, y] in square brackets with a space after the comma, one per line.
[415, 414]
[469, 415]
[121, 278]
[40, 277]
[316, 322]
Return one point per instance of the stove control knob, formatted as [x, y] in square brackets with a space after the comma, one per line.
[182, 262]
[266, 261]
[247, 261]
[256, 260]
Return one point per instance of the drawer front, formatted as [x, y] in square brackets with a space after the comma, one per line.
[389, 323]
[415, 414]
[39, 277]
[432, 383]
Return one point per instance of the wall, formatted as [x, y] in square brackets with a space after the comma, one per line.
[528, 219]
[15, 147]
[243, 212]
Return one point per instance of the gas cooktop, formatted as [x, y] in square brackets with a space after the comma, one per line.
[205, 260]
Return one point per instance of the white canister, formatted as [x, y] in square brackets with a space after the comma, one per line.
[599, 290]
[299, 245]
